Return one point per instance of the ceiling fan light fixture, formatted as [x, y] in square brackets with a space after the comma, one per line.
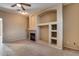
[21, 9]
[18, 5]
[23, 12]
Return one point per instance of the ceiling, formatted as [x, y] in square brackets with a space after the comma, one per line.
[35, 7]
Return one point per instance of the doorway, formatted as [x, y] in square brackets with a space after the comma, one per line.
[0, 31]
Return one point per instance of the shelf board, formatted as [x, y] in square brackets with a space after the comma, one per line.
[53, 45]
[53, 30]
[53, 23]
[54, 38]
[44, 24]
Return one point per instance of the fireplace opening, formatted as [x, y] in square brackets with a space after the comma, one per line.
[32, 36]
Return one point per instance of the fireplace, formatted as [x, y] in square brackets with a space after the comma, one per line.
[32, 36]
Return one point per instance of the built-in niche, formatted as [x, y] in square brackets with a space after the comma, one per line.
[44, 34]
[53, 34]
[48, 16]
[46, 19]
[53, 41]
[50, 26]
[54, 27]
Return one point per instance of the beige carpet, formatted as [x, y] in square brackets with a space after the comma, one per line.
[29, 48]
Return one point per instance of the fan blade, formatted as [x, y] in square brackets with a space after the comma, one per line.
[25, 4]
[13, 5]
[22, 7]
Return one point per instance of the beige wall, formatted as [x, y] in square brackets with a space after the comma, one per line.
[44, 33]
[71, 26]
[14, 26]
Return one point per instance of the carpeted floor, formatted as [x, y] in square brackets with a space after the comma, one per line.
[29, 48]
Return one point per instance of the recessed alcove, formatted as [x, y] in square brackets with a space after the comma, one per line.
[48, 16]
[49, 26]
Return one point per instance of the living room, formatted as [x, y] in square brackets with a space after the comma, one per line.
[29, 28]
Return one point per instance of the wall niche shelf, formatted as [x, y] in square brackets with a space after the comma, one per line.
[53, 30]
[53, 34]
[44, 24]
[48, 19]
[49, 26]
[54, 42]
[53, 38]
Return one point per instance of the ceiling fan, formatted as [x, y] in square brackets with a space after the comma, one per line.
[21, 5]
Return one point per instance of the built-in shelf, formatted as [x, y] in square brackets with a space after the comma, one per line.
[50, 21]
[44, 24]
[53, 22]
[53, 30]
[54, 42]
[53, 33]
[54, 27]
[53, 38]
